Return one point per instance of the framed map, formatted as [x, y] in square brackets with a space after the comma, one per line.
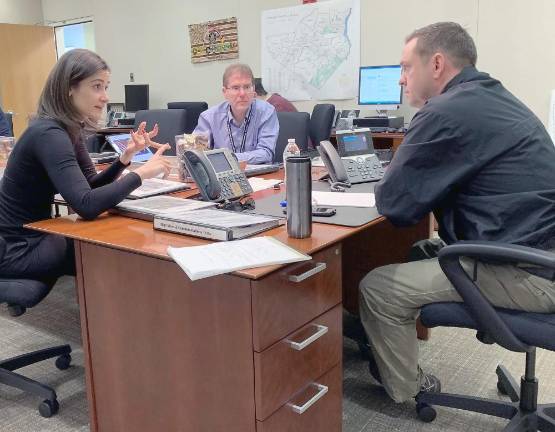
[312, 51]
[214, 40]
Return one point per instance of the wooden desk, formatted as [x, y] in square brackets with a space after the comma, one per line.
[383, 140]
[163, 353]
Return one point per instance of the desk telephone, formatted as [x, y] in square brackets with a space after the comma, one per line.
[358, 162]
[217, 174]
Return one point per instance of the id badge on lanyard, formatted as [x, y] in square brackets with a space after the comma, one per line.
[244, 137]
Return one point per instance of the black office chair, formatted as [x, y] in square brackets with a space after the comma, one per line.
[291, 125]
[321, 122]
[193, 112]
[9, 118]
[20, 294]
[171, 122]
[514, 330]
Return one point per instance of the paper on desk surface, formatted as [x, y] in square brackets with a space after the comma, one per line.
[225, 257]
[258, 183]
[343, 199]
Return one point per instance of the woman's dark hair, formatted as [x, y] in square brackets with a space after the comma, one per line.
[55, 103]
[259, 88]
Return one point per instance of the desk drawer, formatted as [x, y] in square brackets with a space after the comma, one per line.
[280, 306]
[324, 415]
[282, 370]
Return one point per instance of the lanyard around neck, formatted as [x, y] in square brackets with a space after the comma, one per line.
[244, 138]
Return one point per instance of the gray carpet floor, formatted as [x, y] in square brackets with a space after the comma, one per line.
[463, 364]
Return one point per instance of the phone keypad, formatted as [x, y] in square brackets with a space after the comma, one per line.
[364, 169]
[234, 185]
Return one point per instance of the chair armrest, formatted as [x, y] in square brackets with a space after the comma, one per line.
[500, 252]
[478, 306]
[2, 248]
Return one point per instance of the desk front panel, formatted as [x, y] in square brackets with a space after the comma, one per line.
[163, 353]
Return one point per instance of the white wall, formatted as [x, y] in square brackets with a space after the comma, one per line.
[151, 40]
[516, 41]
[55, 11]
[21, 11]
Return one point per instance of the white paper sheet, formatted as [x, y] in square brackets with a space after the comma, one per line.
[218, 258]
[343, 199]
[258, 183]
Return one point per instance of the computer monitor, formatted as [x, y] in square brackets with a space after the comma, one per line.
[136, 97]
[378, 86]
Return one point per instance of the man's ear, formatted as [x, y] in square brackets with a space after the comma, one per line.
[438, 64]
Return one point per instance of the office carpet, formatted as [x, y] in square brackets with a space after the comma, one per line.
[463, 364]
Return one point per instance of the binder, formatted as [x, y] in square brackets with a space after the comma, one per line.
[216, 224]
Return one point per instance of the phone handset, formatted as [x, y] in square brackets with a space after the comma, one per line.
[203, 173]
[338, 177]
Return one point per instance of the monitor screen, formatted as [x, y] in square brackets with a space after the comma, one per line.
[379, 85]
[136, 97]
[219, 162]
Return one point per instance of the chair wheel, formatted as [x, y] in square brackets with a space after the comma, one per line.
[48, 408]
[501, 388]
[16, 310]
[425, 412]
[63, 361]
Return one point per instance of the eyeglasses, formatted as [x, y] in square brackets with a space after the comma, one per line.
[236, 89]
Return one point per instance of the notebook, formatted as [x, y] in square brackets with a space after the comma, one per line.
[119, 143]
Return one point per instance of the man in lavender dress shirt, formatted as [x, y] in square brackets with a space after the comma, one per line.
[247, 126]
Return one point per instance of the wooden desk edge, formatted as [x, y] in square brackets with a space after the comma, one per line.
[66, 226]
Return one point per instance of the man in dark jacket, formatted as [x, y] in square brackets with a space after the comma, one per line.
[484, 164]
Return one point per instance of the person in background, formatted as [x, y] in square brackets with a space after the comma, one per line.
[243, 124]
[279, 102]
[483, 163]
[4, 126]
[50, 157]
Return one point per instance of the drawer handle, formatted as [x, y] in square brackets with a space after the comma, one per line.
[322, 330]
[322, 390]
[315, 270]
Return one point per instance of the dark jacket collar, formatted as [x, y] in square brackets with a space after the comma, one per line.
[468, 73]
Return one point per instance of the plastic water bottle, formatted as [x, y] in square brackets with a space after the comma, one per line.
[291, 149]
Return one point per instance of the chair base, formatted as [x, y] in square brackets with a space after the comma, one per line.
[49, 406]
[541, 418]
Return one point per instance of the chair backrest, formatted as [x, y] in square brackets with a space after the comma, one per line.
[321, 122]
[291, 125]
[171, 122]
[193, 112]
[9, 118]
